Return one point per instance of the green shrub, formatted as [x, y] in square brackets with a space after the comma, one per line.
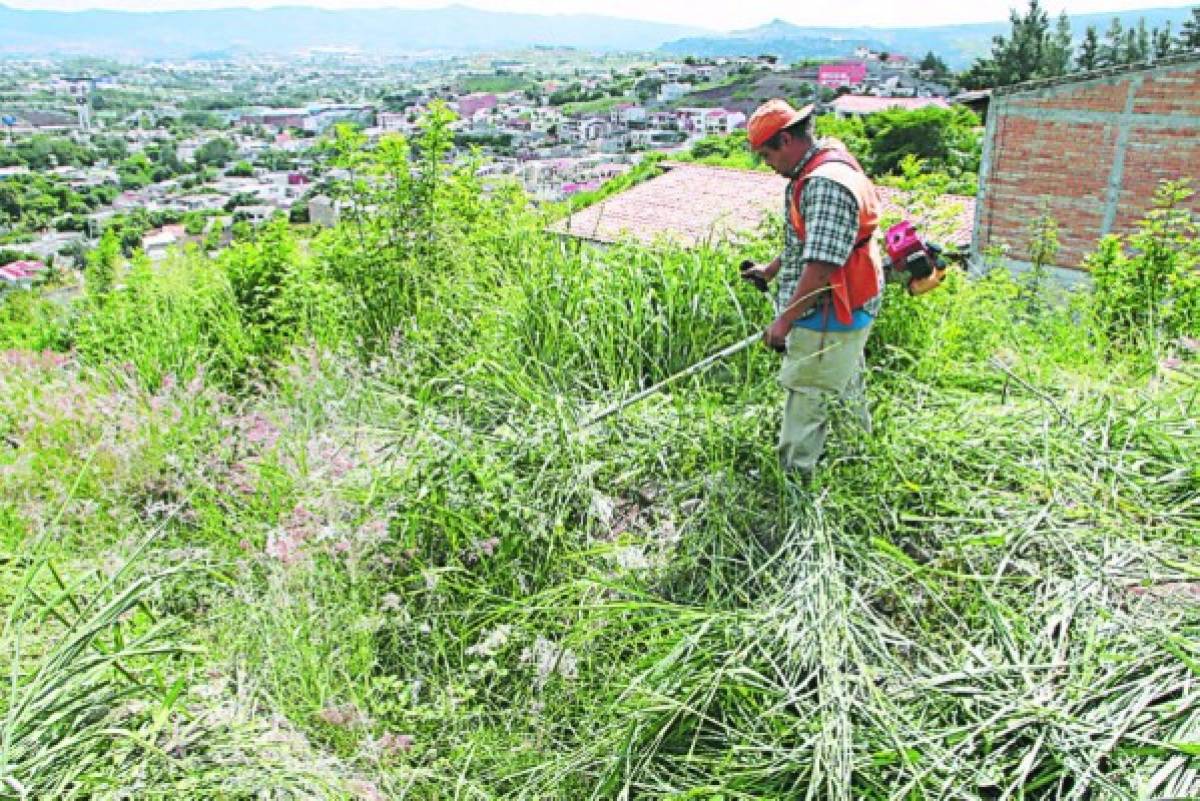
[172, 317]
[29, 321]
[1147, 286]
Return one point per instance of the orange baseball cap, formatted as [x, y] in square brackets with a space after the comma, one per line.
[772, 117]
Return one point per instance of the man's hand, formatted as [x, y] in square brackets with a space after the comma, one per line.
[756, 274]
[775, 337]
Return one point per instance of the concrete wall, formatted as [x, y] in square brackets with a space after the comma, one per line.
[1089, 152]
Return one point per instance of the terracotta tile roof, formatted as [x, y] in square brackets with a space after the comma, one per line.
[687, 204]
[692, 204]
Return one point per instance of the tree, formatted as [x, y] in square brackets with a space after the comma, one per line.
[1189, 34]
[1114, 44]
[1143, 41]
[166, 156]
[1162, 41]
[243, 169]
[1089, 51]
[215, 152]
[933, 63]
[1129, 50]
[101, 269]
[1030, 51]
[135, 171]
[110, 148]
[1058, 51]
[12, 205]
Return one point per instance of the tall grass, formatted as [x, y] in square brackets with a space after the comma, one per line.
[391, 565]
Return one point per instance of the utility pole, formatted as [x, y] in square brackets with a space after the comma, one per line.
[81, 90]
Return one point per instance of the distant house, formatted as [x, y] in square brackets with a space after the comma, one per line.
[21, 274]
[45, 121]
[155, 245]
[859, 105]
[705, 121]
[670, 92]
[200, 202]
[721, 121]
[320, 118]
[391, 121]
[628, 113]
[322, 211]
[255, 215]
[710, 72]
[278, 118]
[655, 138]
[469, 105]
[669, 71]
[848, 73]
[664, 120]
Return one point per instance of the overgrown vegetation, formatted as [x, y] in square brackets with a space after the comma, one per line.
[316, 520]
[943, 146]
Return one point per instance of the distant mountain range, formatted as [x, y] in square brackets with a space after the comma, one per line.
[453, 29]
[957, 45]
[460, 29]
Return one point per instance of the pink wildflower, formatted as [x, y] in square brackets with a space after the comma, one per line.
[244, 544]
[241, 479]
[261, 432]
[168, 382]
[341, 716]
[393, 744]
[375, 529]
[366, 791]
[489, 546]
[1190, 343]
[341, 546]
[284, 548]
[1171, 363]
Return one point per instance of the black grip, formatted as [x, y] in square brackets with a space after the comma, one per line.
[759, 283]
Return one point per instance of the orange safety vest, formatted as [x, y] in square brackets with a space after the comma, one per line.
[859, 279]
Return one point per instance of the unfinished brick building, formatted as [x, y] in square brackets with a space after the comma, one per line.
[1088, 150]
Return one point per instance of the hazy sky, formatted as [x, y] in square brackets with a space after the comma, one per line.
[723, 15]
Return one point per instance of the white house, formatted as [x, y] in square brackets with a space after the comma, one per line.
[670, 92]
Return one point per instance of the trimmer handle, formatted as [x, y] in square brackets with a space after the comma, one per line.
[759, 283]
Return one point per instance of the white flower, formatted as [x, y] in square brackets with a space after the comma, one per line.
[631, 557]
[549, 659]
[603, 509]
[491, 645]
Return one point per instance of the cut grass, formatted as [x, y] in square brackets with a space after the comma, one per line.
[407, 574]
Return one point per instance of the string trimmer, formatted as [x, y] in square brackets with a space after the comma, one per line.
[921, 263]
[699, 366]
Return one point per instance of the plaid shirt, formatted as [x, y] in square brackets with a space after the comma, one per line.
[830, 213]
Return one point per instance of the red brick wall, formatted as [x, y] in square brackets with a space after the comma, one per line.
[1090, 153]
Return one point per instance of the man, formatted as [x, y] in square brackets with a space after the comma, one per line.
[830, 279]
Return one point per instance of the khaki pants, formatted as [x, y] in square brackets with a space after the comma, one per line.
[822, 372]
